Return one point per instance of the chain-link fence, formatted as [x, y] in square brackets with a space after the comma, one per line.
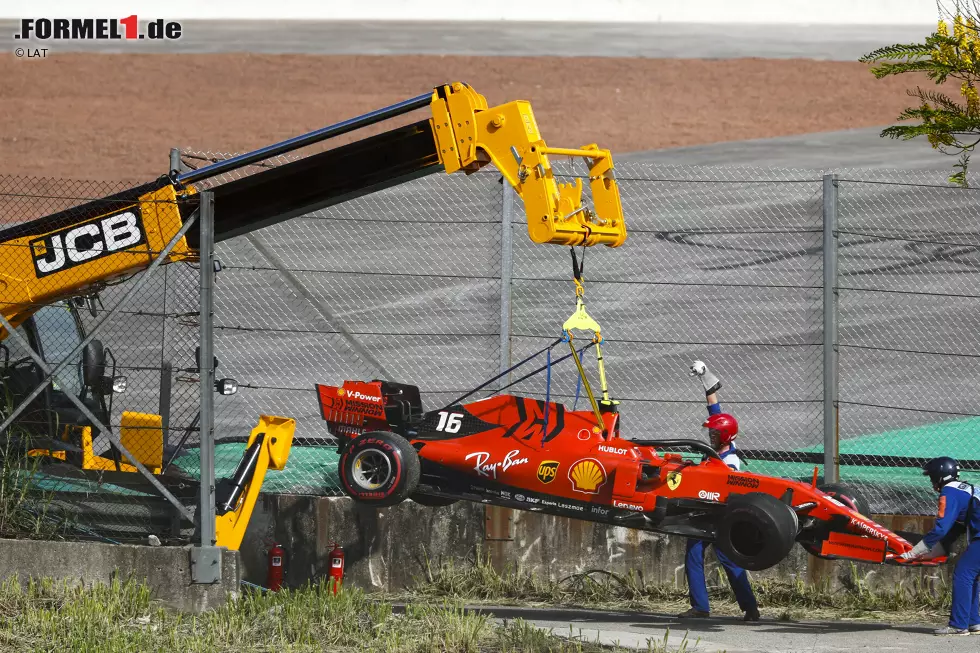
[722, 265]
[908, 333]
[435, 283]
[403, 284]
[86, 296]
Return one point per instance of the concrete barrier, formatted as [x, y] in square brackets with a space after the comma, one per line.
[166, 570]
[386, 549]
[828, 12]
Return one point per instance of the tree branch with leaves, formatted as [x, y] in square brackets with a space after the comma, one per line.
[951, 126]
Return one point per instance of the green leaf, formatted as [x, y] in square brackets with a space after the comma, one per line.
[961, 167]
[897, 51]
[937, 98]
[933, 68]
[905, 132]
[948, 124]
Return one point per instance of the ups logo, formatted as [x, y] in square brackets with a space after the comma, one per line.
[548, 471]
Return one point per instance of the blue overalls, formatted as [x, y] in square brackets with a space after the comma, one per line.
[960, 502]
[694, 559]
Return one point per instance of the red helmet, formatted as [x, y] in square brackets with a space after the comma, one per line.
[724, 425]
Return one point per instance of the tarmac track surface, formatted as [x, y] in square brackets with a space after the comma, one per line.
[731, 635]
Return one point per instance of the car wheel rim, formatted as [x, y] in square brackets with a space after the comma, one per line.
[371, 469]
[747, 539]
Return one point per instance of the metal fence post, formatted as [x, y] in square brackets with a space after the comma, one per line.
[206, 560]
[175, 160]
[506, 274]
[830, 363]
[499, 521]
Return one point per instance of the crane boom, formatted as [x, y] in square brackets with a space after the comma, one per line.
[79, 250]
[72, 252]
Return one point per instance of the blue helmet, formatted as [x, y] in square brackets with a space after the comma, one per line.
[941, 471]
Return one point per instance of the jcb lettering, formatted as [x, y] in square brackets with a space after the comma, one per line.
[77, 251]
[121, 231]
[85, 242]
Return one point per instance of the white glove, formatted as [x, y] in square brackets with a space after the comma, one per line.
[918, 550]
[708, 380]
[937, 551]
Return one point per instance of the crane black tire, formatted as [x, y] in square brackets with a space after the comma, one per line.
[757, 530]
[848, 496]
[380, 468]
[431, 501]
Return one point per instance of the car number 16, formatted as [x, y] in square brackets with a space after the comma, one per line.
[449, 422]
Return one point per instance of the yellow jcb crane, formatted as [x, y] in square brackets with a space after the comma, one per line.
[75, 252]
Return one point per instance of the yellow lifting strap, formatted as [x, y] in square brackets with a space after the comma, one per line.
[581, 320]
[585, 382]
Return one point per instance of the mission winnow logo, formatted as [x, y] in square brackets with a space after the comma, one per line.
[97, 29]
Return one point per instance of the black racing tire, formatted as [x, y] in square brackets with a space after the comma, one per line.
[379, 468]
[848, 496]
[430, 501]
[757, 530]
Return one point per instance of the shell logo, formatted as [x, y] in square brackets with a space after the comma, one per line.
[340, 392]
[587, 476]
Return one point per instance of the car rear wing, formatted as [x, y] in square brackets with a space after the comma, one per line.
[353, 408]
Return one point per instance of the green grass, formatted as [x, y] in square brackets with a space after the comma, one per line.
[122, 617]
[24, 511]
[478, 581]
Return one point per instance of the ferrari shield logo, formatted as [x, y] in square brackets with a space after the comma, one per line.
[548, 471]
[587, 476]
[673, 480]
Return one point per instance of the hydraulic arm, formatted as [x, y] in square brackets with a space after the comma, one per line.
[76, 251]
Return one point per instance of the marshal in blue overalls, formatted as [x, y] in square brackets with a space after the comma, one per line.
[959, 506]
[722, 430]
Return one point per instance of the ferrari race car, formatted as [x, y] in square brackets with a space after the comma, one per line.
[539, 456]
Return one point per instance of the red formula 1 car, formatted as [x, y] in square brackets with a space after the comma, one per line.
[527, 454]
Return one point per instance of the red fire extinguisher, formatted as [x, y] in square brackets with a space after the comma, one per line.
[274, 579]
[336, 567]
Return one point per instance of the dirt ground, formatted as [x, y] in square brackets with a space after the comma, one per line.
[98, 116]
